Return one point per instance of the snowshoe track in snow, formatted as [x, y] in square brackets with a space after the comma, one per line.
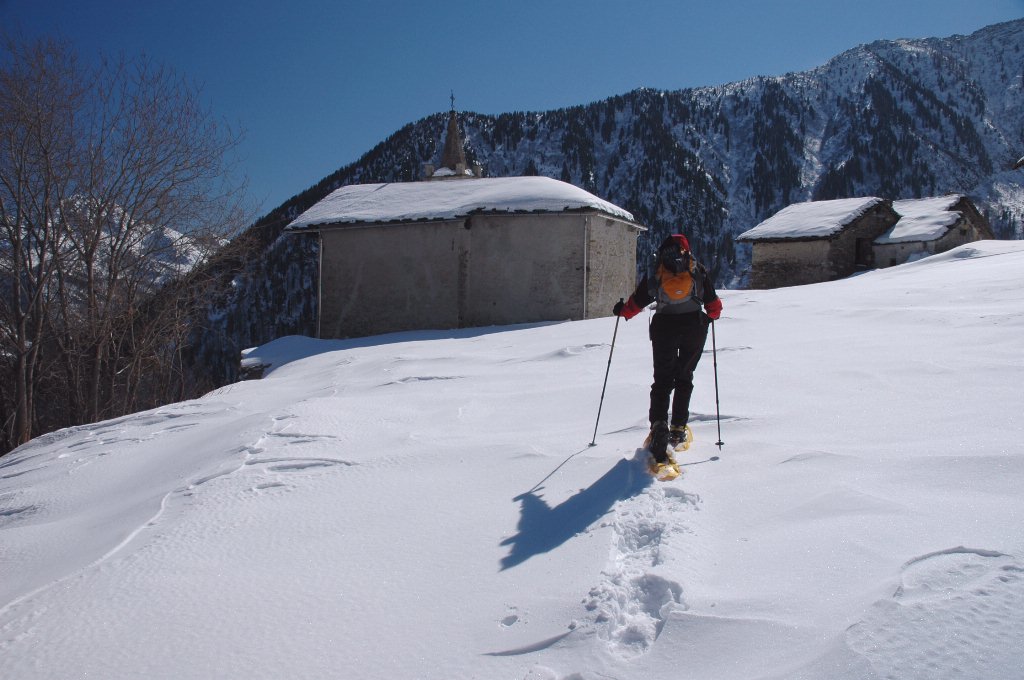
[633, 601]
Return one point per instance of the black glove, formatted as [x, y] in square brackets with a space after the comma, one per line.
[617, 309]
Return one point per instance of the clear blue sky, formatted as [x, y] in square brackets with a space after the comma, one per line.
[315, 84]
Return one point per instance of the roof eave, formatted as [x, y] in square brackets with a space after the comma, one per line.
[785, 239]
[358, 224]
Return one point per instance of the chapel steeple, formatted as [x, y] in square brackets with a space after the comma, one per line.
[453, 157]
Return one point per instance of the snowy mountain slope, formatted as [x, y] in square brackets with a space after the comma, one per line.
[427, 505]
[899, 119]
[112, 239]
[895, 119]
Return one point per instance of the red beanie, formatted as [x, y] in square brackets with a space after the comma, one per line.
[684, 244]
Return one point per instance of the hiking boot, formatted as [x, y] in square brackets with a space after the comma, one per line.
[677, 436]
[659, 441]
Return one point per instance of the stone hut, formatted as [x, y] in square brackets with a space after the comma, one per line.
[466, 251]
[817, 241]
[928, 226]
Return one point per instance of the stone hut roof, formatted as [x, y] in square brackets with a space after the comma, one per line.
[810, 220]
[923, 219]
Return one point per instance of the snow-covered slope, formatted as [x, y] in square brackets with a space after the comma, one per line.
[428, 505]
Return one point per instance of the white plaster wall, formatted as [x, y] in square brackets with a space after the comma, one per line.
[384, 279]
[524, 268]
[611, 264]
[488, 269]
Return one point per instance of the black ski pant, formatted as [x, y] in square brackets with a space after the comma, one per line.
[677, 341]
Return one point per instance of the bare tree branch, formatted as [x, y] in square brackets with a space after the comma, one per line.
[115, 181]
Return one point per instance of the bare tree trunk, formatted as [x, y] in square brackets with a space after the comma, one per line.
[36, 143]
[107, 179]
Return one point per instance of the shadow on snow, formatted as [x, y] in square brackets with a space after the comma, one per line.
[543, 528]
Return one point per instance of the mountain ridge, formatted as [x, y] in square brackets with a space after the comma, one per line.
[893, 118]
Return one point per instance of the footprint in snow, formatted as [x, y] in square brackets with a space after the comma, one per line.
[632, 603]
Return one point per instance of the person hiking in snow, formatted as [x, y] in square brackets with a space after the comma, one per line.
[680, 286]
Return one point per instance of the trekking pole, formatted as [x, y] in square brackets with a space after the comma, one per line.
[714, 358]
[593, 442]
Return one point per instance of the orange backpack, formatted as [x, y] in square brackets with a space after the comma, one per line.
[680, 292]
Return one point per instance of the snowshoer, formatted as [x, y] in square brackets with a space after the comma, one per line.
[686, 304]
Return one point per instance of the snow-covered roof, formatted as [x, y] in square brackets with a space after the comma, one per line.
[922, 219]
[810, 220]
[406, 201]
